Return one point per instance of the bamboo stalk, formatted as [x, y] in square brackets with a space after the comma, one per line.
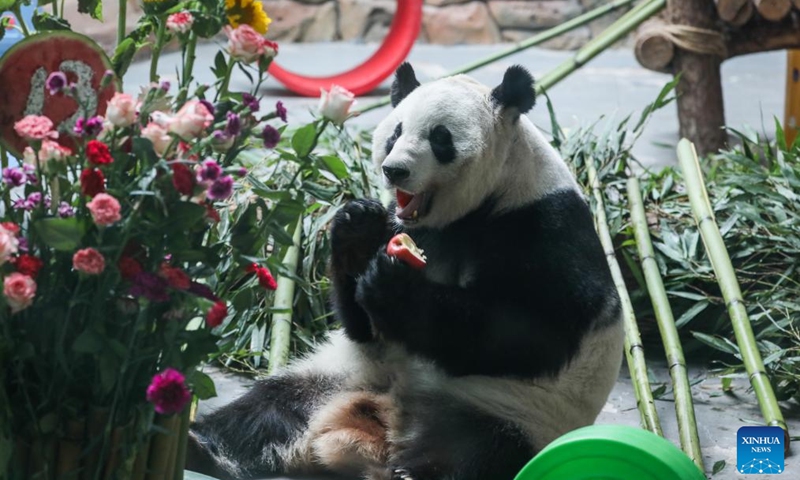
[537, 39]
[142, 457]
[634, 350]
[69, 450]
[729, 285]
[284, 298]
[19, 462]
[183, 435]
[684, 406]
[624, 25]
[161, 447]
[95, 429]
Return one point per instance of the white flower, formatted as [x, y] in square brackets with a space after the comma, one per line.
[335, 104]
[180, 22]
[121, 111]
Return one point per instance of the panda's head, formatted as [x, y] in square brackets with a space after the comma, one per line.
[443, 148]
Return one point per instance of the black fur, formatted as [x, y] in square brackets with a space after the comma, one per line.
[272, 414]
[358, 230]
[516, 90]
[453, 440]
[405, 82]
[398, 131]
[442, 144]
[539, 280]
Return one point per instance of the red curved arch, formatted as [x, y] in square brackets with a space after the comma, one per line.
[365, 77]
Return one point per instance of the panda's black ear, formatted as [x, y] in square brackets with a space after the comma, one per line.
[516, 90]
[405, 81]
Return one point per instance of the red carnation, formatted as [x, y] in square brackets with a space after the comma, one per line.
[182, 179]
[92, 182]
[265, 279]
[175, 277]
[216, 314]
[28, 265]
[11, 227]
[128, 267]
[168, 392]
[97, 152]
[212, 213]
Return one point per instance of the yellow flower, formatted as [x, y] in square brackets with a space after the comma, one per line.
[248, 12]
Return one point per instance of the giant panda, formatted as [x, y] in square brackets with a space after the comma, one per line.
[510, 336]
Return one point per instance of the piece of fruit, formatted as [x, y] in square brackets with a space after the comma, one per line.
[403, 248]
[27, 65]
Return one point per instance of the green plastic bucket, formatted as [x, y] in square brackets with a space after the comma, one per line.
[611, 452]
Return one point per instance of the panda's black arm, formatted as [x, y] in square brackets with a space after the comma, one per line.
[468, 331]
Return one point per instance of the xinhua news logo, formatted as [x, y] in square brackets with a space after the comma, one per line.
[759, 450]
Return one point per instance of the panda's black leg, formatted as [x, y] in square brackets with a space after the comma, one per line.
[441, 439]
[253, 436]
[358, 230]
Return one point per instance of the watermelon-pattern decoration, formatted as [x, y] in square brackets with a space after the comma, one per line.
[24, 70]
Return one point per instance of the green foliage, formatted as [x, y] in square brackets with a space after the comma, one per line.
[44, 21]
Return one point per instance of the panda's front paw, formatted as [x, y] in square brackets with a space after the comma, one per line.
[389, 291]
[357, 231]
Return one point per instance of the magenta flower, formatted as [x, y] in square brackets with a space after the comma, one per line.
[168, 392]
[271, 136]
[221, 189]
[13, 176]
[234, 125]
[56, 82]
[209, 172]
[209, 106]
[65, 210]
[280, 110]
[251, 102]
[88, 127]
[30, 174]
[149, 286]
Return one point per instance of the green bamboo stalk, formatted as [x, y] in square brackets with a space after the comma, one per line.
[284, 298]
[600, 43]
[537, 39]
[634, 350]
[684, 407]
[726, 278]
[122, 22]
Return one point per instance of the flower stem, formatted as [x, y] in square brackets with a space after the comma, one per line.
[17, 11]
[3, 157]
[188, 66]
[122, 22]
[160, 36]
[223, 88]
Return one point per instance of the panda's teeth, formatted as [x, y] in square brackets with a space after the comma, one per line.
[415, 215]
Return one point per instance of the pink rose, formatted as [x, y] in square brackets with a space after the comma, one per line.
[105, 209]
[35, 127]
[8, 244]
[191, 120]
[89, 261]
[244, 43]
[180, 22]
[121, 111]
[158, 135]
[335, 104]
[19, 290]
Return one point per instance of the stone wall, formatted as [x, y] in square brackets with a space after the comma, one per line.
[448, 22]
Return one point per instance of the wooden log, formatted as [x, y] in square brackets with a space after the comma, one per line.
[728, 9]
[700, 107]
[773, 10]
[69, 450]
[653, 49]
[744, 15]
[763, 36]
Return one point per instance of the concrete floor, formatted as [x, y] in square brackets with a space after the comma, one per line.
[613, 85]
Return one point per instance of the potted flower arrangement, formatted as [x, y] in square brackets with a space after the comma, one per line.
[111, 249]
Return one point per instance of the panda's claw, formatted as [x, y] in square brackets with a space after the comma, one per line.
[402, 474]
[357, 231]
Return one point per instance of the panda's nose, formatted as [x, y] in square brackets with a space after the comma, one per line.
[396, 174]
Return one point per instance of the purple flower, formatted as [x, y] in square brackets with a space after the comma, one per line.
[22, 246]
[13, 176]
[234, 125]
[209, 106]
[56, 82]
[280, 110]
[221, 189]
[30, 174]
[165, 85]
[149, 286]
[19, 204]
[271, 136]
[203, 291]
[88, 127]
[168, 392]
[34, 198]
[65, 210]
[251, 102]
[47, 201]
[209, 172]
[242, 172]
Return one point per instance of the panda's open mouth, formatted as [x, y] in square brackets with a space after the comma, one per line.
[412, 206]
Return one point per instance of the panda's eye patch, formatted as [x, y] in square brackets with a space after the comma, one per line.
[442, 144]
[398, 130]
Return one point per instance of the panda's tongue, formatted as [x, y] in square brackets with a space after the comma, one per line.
[407, 204]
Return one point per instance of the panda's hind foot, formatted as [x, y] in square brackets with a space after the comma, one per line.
[357, 231]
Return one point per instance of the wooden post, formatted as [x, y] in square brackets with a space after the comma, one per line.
[792, 119]
[653, 50]
[773, 10]
[700, 107]
[735, 12]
